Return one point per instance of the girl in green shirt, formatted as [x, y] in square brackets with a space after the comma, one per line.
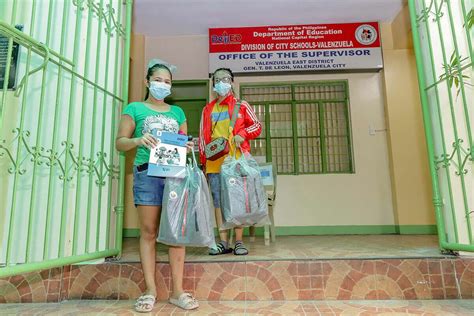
[137, 122]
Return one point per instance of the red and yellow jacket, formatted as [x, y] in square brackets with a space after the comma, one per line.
[247, 125]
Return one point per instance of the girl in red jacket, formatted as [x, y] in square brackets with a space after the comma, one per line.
[215, 122]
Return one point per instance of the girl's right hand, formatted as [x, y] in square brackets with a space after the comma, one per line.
[146, 140]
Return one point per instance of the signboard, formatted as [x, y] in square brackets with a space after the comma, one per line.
[294, 48]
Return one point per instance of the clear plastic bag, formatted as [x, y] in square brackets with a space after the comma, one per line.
[186, 211]
[243, 197]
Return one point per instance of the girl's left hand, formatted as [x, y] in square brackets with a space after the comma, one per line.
[238, 140]
[190, 146]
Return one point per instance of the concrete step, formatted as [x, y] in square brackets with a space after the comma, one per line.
[281, 280]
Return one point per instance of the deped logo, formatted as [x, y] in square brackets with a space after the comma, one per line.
[366, 34]
[226, 38]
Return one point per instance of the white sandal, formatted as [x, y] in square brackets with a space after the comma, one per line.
[185, 301]
[145, 303]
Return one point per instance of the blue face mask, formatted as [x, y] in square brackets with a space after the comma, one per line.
[222, 88]
[160, 90]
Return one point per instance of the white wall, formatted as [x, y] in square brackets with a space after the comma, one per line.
[188, 53]
[363, 198]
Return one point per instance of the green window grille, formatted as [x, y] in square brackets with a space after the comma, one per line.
[306, 126]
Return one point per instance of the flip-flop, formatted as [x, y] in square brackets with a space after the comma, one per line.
[145, 303]
[185, 301]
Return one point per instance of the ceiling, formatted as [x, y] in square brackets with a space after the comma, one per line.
[195, 17]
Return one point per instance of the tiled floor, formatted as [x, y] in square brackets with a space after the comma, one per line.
[312, 247]
[444, 308]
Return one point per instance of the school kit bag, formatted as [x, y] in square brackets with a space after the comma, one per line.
[243, 197]
[186, 211]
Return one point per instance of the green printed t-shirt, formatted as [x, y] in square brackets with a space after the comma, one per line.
[147, 120]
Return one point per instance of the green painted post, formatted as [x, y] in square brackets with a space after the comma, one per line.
[125, 77]
[82, 162]
[440, 122]
[69, 160]
[92, 156]
[56, 121]
[38, 149]
[115, 109]
[427, 123]
[101, 181]
[30, 217]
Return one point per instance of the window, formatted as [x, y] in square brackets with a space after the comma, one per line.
[306, 126]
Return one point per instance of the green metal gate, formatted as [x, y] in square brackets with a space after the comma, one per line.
[443, 35]
[65, 79]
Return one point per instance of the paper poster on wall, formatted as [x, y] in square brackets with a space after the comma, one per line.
[294, 48]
